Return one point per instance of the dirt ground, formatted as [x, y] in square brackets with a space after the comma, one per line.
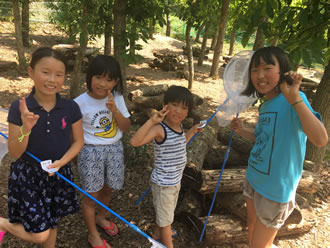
[72, 231]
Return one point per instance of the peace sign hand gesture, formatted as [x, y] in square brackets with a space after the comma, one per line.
[111, 104]
[160, 115]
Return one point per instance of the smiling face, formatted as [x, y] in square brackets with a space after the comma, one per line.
[177, 112]
[100, 85]
[48, 75]
[265, 78]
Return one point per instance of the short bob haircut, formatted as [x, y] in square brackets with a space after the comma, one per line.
[107, 66]
[44, 52]
[179, 94]
[269, 55]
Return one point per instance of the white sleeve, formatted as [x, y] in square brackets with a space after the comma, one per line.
[120, 102]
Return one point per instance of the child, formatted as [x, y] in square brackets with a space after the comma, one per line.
[101, 161]
[286, 119]
[48, 127]
[169, 139]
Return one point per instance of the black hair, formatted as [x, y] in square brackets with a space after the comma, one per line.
[268, 55]
[107, 66]
[44, 52]
[179, 94]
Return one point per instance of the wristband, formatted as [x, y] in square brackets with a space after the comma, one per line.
[297, 102]
[20, 139]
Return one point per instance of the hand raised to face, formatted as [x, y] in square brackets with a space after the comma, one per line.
[111, 105]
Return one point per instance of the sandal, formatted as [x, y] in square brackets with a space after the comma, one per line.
[111, 230]
[103, 246]
[2, 234]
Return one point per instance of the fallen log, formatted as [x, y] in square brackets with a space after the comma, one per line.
[148, 91]
[239, 143]
[196, 152]
[235, 204]
[232, 180]
[216, 155]
[229, 229]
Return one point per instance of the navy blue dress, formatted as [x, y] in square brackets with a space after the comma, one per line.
[35, 199]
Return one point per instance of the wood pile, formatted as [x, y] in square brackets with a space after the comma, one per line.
[70, 52]
[167, 61]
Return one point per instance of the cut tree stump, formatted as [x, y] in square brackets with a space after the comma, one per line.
[148, 91]
[232, 181]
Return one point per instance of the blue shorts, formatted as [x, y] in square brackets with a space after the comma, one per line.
[101, 164]
[37, 200]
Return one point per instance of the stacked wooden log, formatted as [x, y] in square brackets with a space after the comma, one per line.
[167, 61]
[70, 52]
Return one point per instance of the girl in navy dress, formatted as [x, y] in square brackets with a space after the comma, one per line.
[50, 128]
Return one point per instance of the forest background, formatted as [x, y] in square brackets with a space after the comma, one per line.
[301, 28]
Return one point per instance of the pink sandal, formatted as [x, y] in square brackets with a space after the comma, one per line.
[103, 246]
[2, 234]
[111, 230]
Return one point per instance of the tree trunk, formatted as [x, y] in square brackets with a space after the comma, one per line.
[76, 78]
[232, 42]
[18, 34]
[107, 38]
[190, 57]
[203, 48]
[119, 13]
[25, 22]
[119, 16]
[199, 32]
[132, 39]
[321, 104]
[168, 25]
[219, 45]
[260, 41]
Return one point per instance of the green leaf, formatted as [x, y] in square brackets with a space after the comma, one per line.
[269, 9]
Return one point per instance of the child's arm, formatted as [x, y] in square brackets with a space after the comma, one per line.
[313, 127]
[123, 122]
[238, 127]
[193, 130]
[77, 144]
[17, 143]
[150, 130]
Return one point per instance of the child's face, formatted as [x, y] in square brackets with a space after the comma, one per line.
[265, 78]
[177, 112]
[48, 76]
[100, 86]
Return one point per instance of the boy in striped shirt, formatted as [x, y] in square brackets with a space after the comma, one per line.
[164, 128]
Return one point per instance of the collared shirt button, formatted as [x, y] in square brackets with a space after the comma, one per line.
[48, 131]
[48, 122]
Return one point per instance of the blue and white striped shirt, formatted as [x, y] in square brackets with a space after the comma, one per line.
[170, 158]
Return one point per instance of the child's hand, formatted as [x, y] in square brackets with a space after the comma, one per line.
[57, 165]
[291, 92]
[111, 105]
[198, 127]
[29, 119]
[160, 115]
[237, 125]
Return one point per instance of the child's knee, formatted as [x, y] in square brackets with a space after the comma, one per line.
[40, 237]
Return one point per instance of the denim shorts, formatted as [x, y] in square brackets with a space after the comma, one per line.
[101, 164]
[272, 214]
[165, 199]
